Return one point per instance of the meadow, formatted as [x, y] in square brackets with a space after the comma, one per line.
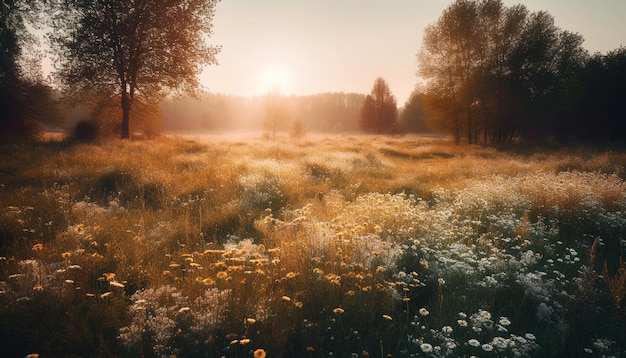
[325, 246]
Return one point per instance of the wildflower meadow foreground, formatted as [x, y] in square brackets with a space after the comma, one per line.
[332, 246]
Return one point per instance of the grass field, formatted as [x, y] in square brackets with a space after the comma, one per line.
[344, 246]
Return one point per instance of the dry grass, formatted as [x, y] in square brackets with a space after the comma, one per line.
[326, 244]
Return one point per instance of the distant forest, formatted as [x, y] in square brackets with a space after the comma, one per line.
[326, 112]
[486, 73]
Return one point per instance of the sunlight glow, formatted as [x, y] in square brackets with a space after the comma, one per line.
[275, 79]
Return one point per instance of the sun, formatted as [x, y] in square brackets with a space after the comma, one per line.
[275, 79]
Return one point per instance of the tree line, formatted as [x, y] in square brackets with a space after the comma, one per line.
[211, 112]
[498, 74]
[491, 74]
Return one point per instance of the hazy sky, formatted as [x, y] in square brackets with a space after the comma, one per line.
[312, 46]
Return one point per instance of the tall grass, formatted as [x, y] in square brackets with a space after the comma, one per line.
[342, 246]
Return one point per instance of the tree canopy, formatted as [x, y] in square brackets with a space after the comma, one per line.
[379, 111]
[134, 50]
[497, 72]
[25, 99]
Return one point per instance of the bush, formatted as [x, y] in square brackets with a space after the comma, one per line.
[85, 131]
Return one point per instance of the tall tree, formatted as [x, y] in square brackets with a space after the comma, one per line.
[132, 48]
[24, 97]
[379, 111]
[497, 70]
[413, 115]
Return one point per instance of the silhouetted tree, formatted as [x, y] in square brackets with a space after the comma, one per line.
[24, 98]
[599, 110]
[132, 48]
[379, 111]
[498, 71]
[413, 115]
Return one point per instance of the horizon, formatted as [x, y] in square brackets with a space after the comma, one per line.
[282, 47]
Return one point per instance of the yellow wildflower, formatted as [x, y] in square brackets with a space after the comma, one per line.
[259, 353]
[37, 247]
[338, 310]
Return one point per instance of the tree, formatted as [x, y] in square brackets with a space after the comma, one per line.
[276, 113]
[413, 115]
[132, 48]
[497, 71]
[379, 111]
[24, 98]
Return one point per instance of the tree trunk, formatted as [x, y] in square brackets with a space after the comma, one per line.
[125, 115]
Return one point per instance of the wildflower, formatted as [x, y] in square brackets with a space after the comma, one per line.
[588, 350]
[71, 282]
[425, 347]
[291, 274]
[504, 321]
[487, 347]
[423, 311]
[250, 320]
[473, 342]
[259, 353]
[310, 349]
[416, 242]
[441, 281]
[387, 317]
[298, 304]
[338, 310]
[234, 341]
[184, 309]
[222, 275]
[37, 247]
[108, 276]
[447, 329]
[318, 271]
[377, 228]
[106, 294]
[116, 284]
[285, 298]
[66, 254]
[406, 299]
[244, 341]
[462, 322]
[530, 336]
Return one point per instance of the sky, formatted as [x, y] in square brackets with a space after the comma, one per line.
[306, 47]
